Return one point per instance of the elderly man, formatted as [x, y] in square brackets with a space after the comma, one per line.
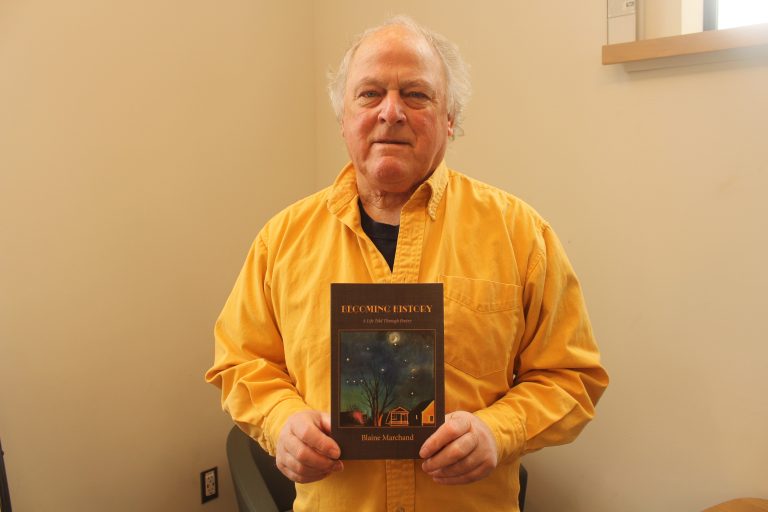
[522, 370]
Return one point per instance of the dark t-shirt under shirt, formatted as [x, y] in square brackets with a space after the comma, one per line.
[383, 236]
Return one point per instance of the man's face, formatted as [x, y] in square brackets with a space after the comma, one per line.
[395, 122]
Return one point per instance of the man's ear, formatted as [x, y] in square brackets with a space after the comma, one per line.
[450, 126]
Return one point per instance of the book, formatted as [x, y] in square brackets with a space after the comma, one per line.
[387, 375]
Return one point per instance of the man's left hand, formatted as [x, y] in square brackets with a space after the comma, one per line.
[461, 451]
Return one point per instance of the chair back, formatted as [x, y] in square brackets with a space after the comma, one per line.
[5, 493]
[282, 489]
[259, 485]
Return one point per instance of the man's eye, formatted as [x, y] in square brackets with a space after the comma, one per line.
[368, 94]
[417, 95]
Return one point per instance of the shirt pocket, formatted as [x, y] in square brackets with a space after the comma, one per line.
[481, 323]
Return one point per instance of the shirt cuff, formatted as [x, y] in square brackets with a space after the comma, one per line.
[277, 418]
[508, 431]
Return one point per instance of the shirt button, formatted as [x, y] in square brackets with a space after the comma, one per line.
[400, 509]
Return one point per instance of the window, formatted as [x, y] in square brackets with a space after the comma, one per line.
[719, 14]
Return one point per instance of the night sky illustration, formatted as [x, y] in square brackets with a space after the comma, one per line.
[398, 364]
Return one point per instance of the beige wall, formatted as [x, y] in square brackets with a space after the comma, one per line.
[655, 181]
[663, 18]
[659, 18]
[142, 145]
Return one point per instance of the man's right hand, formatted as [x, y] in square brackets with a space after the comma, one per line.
[305, 452]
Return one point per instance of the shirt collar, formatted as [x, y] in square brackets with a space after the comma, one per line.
[343, 192]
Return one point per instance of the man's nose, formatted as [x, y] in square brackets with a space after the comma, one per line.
[392, 108]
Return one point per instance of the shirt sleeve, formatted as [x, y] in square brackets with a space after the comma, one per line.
[249, 365]
[558, 377]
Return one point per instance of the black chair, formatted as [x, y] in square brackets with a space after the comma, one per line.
[5, 494]
[261, 487]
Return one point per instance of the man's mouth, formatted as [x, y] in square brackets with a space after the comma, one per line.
[397, 142]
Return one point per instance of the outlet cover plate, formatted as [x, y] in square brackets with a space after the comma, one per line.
[209, 484]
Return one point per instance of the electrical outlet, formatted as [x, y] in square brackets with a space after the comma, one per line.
[209, 484]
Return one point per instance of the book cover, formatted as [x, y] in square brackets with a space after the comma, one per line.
[387, 376]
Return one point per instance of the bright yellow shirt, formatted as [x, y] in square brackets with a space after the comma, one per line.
[519, 350]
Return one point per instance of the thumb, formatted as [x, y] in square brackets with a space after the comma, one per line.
[325, 422]
[459, 421]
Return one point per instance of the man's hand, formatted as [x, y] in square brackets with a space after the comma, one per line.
[305, 453]
[461, 451]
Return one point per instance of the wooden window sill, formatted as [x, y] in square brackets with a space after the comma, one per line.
[687, 44]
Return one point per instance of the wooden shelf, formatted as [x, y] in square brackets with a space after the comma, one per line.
[688, 44]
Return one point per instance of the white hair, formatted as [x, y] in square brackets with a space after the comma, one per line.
[458, 88]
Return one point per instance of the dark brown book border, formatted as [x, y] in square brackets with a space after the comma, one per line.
[390, 442]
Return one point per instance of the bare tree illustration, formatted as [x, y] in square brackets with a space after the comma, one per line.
[383, 369]
[378, 390]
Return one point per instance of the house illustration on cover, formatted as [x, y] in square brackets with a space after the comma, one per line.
[428, 414]
[398, 417]
[423, 414]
